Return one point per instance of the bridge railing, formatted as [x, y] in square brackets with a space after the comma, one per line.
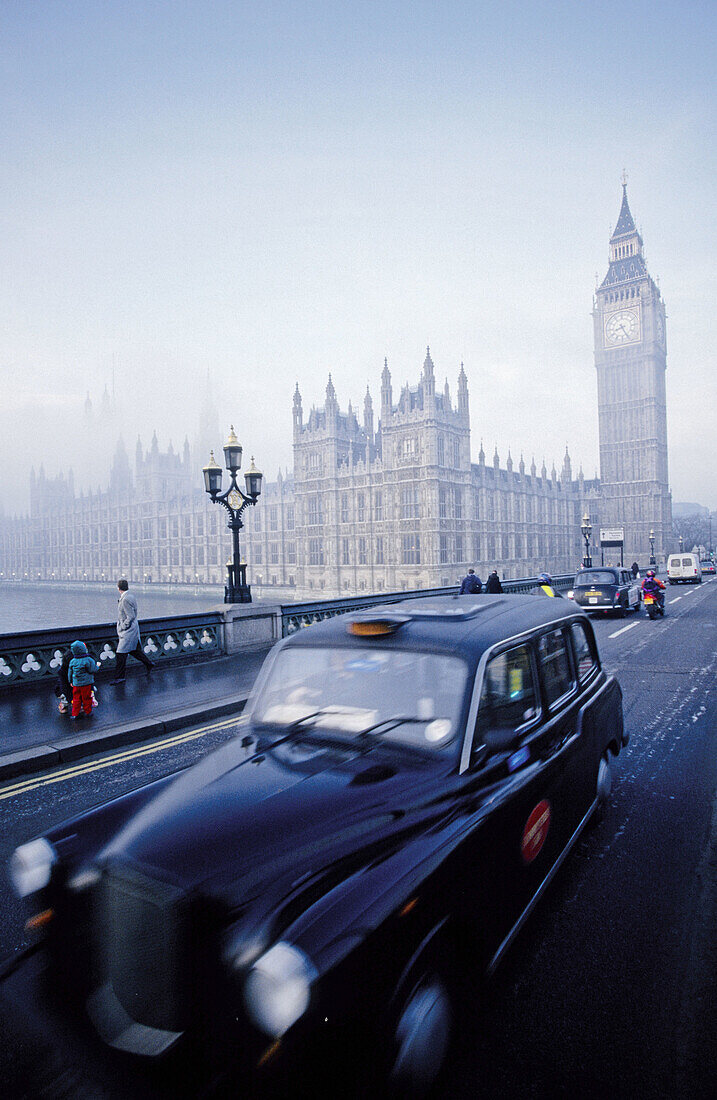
[35, 656]
[297, 616]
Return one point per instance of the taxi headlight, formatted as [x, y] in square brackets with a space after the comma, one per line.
[278, 989]
[31, 866]
[570, 594]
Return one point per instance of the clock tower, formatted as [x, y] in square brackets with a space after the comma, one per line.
[631, 359]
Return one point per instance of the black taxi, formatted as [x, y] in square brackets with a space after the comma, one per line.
[609, 589]
[405, 784]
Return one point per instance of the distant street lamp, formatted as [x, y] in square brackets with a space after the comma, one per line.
[234, 501]
[652, 547]
[586, 527]
[681, 543]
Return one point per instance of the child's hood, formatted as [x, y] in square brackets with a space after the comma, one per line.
[79, 649]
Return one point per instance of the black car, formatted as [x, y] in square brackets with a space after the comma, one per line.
[606, 588]
[406, 784]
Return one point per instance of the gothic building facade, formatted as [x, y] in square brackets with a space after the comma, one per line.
[387, 499]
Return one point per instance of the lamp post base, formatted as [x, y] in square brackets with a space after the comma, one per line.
[240, 594]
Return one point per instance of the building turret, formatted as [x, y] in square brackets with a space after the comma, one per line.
[447, 397]
[331, 406]
[509, 463]
[138, 453]
[120, 473]
[566, 475]
[463, 392]
[496, 459]
[298, 411]
[481, 454]
[429, 379]
[386, 394]
[532, 467]
[88, 407]
[521, 465]
[368, 415]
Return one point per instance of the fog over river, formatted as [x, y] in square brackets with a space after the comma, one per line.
[42, 606]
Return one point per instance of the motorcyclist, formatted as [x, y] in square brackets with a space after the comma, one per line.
[654, 586]
[545, 586]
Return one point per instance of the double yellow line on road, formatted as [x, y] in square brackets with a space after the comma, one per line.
[73, 771]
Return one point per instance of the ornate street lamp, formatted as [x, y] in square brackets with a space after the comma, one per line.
[652, 547]
[586, 528]
[234, 500]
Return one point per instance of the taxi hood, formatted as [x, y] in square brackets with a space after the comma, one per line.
[238, 819]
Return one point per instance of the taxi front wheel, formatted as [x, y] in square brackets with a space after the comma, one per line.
[422, 1037]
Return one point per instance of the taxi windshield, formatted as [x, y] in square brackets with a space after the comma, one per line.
[598, 576]
[400, 695]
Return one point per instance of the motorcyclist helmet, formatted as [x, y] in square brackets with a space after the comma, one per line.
[545, 578]
[650, 573]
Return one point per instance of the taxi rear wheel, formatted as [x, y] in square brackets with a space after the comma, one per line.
[604, 781]
[422, 1037]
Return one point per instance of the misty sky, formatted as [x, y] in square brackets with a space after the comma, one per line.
[272, 191]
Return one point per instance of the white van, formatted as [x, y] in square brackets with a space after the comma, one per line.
[684, 568]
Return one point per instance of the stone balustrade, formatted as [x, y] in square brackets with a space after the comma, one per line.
[35, 656]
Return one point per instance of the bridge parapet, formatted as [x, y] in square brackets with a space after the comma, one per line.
[35, 656]
[297, 616]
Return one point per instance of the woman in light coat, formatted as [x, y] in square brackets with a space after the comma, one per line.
[128, 633]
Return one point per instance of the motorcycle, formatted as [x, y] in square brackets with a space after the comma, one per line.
[653, 605]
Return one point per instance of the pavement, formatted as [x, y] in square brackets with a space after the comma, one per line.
[35, 736]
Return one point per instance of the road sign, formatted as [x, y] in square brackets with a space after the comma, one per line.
[612, 536]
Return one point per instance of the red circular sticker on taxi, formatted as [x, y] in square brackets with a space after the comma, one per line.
[535, 831]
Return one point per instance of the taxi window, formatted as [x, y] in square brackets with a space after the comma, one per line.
[509, 698]
[597, 577]
[554, 665]
[584, 658]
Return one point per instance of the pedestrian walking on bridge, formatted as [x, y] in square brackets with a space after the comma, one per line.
[128, 632]
[471, 583]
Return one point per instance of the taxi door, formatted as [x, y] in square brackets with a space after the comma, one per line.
[531, 793]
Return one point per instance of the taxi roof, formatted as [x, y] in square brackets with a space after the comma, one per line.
[467, 624]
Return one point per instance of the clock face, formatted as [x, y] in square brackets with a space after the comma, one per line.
[622, 327]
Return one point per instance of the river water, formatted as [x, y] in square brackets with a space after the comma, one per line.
[42, 607]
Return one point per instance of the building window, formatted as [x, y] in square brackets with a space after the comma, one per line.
[441, 451]
[314, 511]
[316, 552]
[460, 551]
[443, 549]
[200, 555]
[291, 554]
[290, 517]
[345, 555]
[409, 502]
[409, 447]
[273, 519]
[258, 557]
[200, 525]
[274, 553]
[378, 505]
[456, 453]
[362, 551]
[411, 549]
[360, 507]
[187, 525]
[442, 507]
[344, 507]
[458, 503]
[379, 550]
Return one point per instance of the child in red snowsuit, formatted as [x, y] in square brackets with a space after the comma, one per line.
[82, 678]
